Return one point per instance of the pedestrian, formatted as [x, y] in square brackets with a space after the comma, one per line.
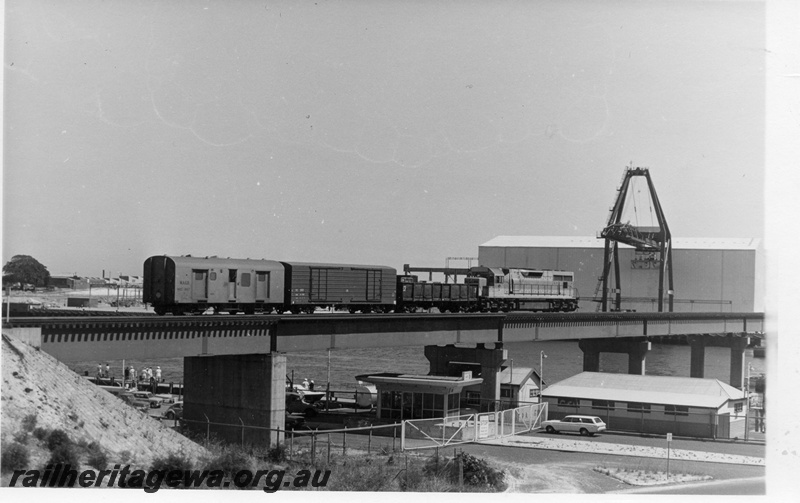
[99, 370]
[133, 374]
[108, 371]
[305, 383]
[158, 373]
[311, 385]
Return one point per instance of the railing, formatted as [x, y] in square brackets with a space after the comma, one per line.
[315, 443]
[442, 432]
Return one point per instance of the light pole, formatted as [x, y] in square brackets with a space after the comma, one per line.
[542, 356]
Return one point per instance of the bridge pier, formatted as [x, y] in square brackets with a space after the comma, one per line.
[697, 345]
[441, 359]
[737, 345]
[244, 389]
[636, 348]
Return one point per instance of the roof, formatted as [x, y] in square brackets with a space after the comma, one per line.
[516, 376]
[595, 242]
[686, 391]
[412, 382]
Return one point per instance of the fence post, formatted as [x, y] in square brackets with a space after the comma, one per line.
[329, 448]
[314, 447]
[291, 446]
[369, 442]
[208, 428]
[402, 436]
[240, 420]
[394, 437]
[344, 441]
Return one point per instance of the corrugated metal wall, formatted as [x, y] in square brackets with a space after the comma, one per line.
[705, 280]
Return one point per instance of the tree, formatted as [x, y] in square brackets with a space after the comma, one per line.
[25, 269]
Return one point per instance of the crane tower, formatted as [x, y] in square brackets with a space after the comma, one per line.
[653, 241]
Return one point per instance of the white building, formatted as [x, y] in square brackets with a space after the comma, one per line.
[683, 406]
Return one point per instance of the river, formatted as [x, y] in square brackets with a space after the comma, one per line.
[563, 359]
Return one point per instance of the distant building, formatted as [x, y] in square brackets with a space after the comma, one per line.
[73, 282]
[684, 406]
[710, 274]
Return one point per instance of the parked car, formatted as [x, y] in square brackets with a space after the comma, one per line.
[167, 399]
[585, 425]
[296, 404]
[175, 411]
[133, 401]
[154, 401]
[295, 421]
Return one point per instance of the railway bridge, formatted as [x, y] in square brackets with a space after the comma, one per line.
[223, 354]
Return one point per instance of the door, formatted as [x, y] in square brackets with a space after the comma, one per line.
[199, 284]
[232, 285]
[319, 285]
[373, 285]
[262, 286]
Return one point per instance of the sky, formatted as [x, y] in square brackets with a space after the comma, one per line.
[380, 132]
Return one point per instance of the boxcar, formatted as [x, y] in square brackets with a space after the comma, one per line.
[362, 288]
[193, 284]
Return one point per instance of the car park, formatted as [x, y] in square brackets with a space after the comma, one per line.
[585, 425]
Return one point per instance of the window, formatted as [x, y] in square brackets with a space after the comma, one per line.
[473, 397]
[603, 404]
[738, 407]
[532, 393]
[245, 279]
[198, 275]
[676, 410]
[505, 392]
[213, 276]
[639, 408]
[567, 402]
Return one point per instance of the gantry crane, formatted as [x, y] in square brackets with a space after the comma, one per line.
[644, 239]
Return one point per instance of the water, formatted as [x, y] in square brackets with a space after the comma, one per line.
[564, 359]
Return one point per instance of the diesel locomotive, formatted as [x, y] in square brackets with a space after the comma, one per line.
[186, 284]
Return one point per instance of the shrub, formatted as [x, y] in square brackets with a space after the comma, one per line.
[231, 461]
[277, 454]
[41, 433]
[64, 454]
[14, 457]
[173, 461]
[28, 422]
[477, 473]
[56, 438]
[97, 457]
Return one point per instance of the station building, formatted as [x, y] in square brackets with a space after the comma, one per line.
[408, 396]
[685, 406]
[710, 274]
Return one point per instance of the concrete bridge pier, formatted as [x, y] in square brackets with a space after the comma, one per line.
[697, 345]
[244, 389]
[636, 348]
[442, 358]
[738, 345]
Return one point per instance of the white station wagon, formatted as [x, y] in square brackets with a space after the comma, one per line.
[585, 425]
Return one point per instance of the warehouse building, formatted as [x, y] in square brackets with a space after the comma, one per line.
[683, 406]
[710, 274]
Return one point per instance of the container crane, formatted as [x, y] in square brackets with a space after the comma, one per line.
[654, 240]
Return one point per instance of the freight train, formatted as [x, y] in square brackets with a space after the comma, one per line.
[186, 284]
